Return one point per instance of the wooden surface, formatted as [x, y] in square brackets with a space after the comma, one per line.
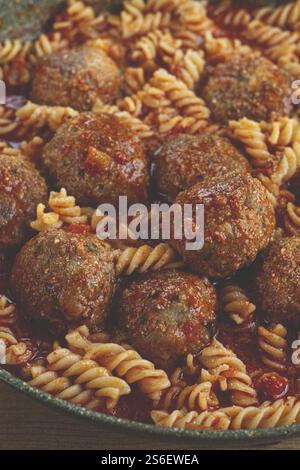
[27, 424]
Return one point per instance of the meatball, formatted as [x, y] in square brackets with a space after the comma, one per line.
[239, 221]
[76, 78]
[278, 281]
[63, 279]
[185, 160]
[167, 315]
[21, 189]
[247, 86]
[97, 158]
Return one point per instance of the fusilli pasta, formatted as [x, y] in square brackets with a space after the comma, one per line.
[283, 412]
[34, 116]
[191, 420]
[7, 310]
[45, 220]
[284, 16]
[238, 382]
[147, 258]
[137, 125]
[273, 345]
[251, 135]
[236, 304]
[125, 363]
[89, 375]
[198, 397]
[181, 97]
[292, 220]
[65, 207]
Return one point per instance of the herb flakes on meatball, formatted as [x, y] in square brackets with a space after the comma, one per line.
[64, 279]
[239, 222]
[168, 314]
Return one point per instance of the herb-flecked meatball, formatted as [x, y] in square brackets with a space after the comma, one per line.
[76, 78]
[239, 222]
[278, 281]
[167, 315]
[247, 86]
[97, 158]
[21, 189]
[64, 279]
[185, 160]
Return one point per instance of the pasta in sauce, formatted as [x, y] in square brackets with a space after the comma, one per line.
[164, 62]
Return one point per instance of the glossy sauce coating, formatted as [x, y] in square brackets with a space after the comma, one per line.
[167, 315]
[239, 221]
[96, 157]
[185, 160]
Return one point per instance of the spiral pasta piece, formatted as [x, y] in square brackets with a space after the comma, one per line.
[8, 123]
[284, 132]
[292, 220]
[283, 412]
[146, 48]
[65, 207]
[288, 164]
[198, 397]
[7, 336]
[32, 147]
[220, 48]
[236, 304]
[146, 258]
[63, 388]
[134, 78]
[136, 23]
[236, 379]
[284, 16]
[6, 149]
[237, 18]
[181, 97]
[44, 46]
[193, 17]
[188, 66]
[45, 220]
[12, 49]
[250, 134]
[273, 189]
[78, 18]
[137, 125]
[191, 420]
[7, 310]
[276, 42]
[125, 363]
[17, 354]
[273, 346]
[88, 374]
[34, 116]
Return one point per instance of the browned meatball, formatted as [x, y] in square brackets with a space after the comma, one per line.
[64, 279]
[76, 78]
[247, 86]
[167, 315]
[185, 160]
[239, 221]
[21, 189]
[97, 158]
[278, 281]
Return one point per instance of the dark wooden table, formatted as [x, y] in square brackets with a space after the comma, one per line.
[27, 424]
